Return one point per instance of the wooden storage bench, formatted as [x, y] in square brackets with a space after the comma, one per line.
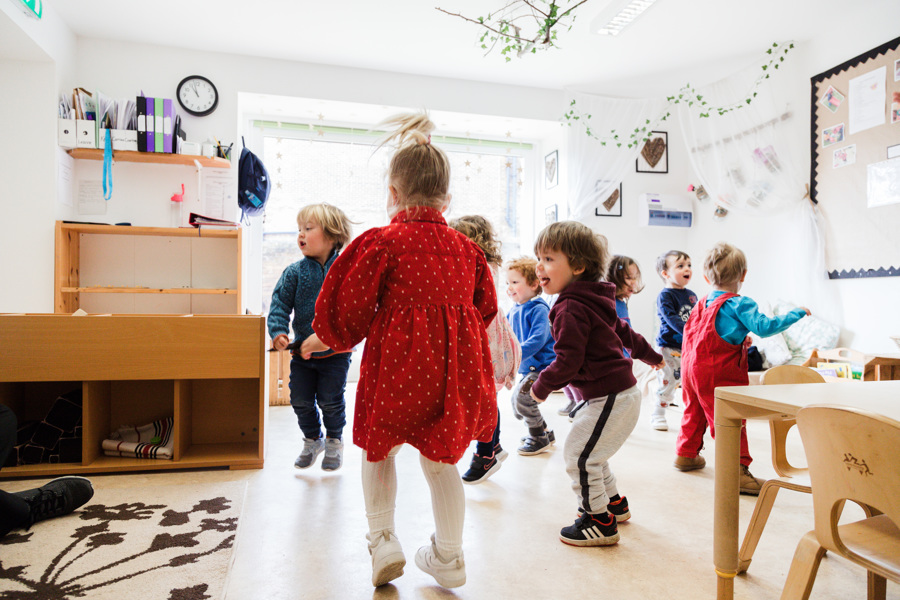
[208, 372]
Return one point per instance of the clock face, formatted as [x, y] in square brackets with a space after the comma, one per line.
[197, 95]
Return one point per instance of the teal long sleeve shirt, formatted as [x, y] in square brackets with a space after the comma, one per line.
[740, 315]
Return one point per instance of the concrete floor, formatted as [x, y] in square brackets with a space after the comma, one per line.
[302, 532]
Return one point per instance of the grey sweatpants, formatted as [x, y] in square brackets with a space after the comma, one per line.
[669, 377]
[524, 406]
[598, 431]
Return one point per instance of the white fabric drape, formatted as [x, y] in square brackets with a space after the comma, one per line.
[750, 161]
[596, 170]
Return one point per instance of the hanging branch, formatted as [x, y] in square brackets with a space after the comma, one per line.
[502, 28]
[687, 94]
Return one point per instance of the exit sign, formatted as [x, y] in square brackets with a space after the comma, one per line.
[33, 8]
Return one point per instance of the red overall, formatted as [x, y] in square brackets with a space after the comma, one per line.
[707, 362]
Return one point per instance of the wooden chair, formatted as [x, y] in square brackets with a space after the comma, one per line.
[852, 455]
[791, 477]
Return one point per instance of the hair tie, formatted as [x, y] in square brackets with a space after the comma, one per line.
[429, 139]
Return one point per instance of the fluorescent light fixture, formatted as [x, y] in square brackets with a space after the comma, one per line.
[620, 14]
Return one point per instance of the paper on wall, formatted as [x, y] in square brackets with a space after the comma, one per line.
[867, 100]
[90, 198]
[883, 183]
[65, 164]
[219, 190]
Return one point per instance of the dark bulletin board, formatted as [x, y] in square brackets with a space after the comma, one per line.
[860, 241]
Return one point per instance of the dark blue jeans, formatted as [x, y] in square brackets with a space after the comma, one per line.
[487, 448]
[320, 382]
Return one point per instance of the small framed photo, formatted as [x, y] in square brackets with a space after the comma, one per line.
[550, 215]
[897, 70]
[611, 206]
[654, 156]
[551, 169]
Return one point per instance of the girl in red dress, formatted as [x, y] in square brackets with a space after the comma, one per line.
[421, 295]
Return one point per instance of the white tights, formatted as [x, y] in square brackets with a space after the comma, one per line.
[448, 500]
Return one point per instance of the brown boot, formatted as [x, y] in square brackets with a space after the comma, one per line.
[689, 463]
[750, 485]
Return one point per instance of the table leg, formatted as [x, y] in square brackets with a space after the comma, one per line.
[725, 514]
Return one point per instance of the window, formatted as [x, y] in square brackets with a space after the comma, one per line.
[341, 167]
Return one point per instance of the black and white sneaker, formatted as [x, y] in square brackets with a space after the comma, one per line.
[481, 468]
[500, 453]
[535, 444]
[60, 497]
[591, 530]
[618, 507]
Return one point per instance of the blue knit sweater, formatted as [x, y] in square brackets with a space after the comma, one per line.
[297, 291]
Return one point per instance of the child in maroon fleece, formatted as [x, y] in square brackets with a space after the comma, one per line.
[589, 340]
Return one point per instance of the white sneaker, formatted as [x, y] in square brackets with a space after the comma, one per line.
[387, 558]
[658, 418]
[449, 574]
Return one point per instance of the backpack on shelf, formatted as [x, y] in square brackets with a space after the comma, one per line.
[253, 184]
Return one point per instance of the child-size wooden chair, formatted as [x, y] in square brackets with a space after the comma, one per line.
[852, 455]
[791, 477]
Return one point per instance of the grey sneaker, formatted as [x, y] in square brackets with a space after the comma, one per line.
[449, 573]
[334, 454]
[311, 449]
[565, 410]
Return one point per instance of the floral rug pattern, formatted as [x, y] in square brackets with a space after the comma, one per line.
[175, 544]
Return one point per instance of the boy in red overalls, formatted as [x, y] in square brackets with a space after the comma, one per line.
[714, 354]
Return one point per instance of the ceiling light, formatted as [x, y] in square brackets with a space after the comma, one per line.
[620, 14]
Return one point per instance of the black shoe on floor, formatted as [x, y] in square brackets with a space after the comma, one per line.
[550, 436]
[618, 507]
[591, 530]
[57, 498]
[481, 468]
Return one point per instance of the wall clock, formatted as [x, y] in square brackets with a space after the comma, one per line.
[197, 95]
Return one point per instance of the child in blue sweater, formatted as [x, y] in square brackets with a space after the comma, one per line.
[530, 320]
[317, 383]
[673, 306]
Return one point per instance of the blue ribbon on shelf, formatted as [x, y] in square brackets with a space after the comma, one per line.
[107, 167]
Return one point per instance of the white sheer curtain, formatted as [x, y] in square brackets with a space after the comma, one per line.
[596, 170]
[750, 161]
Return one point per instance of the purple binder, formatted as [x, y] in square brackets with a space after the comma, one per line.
[151, 137]
[168, 125]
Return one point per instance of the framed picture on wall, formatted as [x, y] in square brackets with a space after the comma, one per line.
[550, 214]
[551, 169]
[654, 156]
[611, 206]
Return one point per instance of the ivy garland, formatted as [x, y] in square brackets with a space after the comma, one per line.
[504, 28]
[686, 94]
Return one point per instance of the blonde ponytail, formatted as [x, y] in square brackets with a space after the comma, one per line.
[419, 170]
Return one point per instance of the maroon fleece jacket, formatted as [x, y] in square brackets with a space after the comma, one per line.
[589, 339]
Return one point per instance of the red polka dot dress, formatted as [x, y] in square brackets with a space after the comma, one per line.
[420, 294]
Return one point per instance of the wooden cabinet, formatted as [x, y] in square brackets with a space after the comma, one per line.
[147, 270]
[207, 372]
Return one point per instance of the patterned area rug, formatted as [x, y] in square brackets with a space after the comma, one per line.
[172, 543]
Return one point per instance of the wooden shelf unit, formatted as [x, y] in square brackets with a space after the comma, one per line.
[207, 372]
[173, 265]
[152, 157]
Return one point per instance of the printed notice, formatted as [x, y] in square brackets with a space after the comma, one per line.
[90, 198]
[867, 98]
[883, 184]
[219, 191]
